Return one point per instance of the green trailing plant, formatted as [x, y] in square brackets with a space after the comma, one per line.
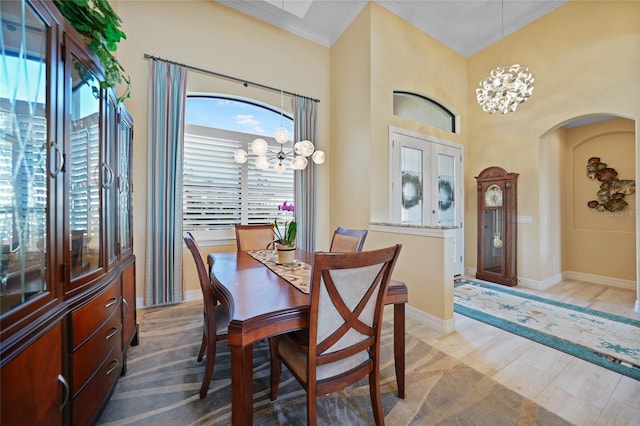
[98, 23]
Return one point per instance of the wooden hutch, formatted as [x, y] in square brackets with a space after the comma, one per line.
[67, 274]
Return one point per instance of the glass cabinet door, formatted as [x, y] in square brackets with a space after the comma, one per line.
[125, 141]
[24, 150]
[84, 171]
[109, 184]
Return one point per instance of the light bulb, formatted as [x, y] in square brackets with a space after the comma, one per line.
[240, 156]
[280, 168]
[318, 157]
[259, 146]
[281, 135]
[262, 163]
[304, 148]
[299, 162]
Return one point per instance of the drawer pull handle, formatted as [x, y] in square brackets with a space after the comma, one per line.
[113, 332]
[115, 365]
[111, 302]
[64, 382]
[127, 306]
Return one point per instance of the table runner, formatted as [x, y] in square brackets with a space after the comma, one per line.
[298, 274]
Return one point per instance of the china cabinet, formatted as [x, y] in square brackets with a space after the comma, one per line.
[497, 215]
[67, 271]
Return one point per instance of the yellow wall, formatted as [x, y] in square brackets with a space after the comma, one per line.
[425, 265]
[211, 36]
[599, 243]
[351, 125]
[585, 57]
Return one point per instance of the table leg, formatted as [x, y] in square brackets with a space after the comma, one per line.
[242, 385]
[398, 345]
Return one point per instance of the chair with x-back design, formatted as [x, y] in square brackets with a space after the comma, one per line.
[342, 343]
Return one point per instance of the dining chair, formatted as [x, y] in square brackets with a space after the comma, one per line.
[345, 240]
[342, 343]
[216, 317]
[254, 237]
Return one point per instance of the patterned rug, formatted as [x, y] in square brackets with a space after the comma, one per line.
[163, 378]
[608, 340]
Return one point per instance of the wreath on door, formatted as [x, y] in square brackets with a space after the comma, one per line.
[411, 190]
[446, 195]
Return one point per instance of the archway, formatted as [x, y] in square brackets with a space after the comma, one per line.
[575, 241]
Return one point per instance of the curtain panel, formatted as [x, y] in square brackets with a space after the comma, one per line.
[167, 97]
[305, 117]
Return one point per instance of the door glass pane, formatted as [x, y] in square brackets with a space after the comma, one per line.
[412, 185]
[446, 190]
[123, 185]
[108, 179]
[83, 164]
[23, 155]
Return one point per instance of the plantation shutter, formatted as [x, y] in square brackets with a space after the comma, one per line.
[217, 192]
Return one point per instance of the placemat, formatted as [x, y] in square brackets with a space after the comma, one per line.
[298, 274]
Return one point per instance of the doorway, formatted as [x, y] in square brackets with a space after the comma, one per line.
[427, 185]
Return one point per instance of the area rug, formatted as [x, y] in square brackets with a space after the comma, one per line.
[163, 378]
[608, 340]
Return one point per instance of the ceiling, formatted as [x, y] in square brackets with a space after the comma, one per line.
[466, 26]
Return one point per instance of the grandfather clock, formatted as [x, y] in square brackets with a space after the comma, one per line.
[497, 216]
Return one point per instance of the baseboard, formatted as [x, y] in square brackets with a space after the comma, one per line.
[540, 285]
[435, 323]
[567, 275]
[190, 295]
[598, 279]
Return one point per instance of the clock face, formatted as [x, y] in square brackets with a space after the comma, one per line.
[493, 196]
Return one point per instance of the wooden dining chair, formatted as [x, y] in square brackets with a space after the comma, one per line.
[216, 317]
[254, 237]
[342, 343]
[346, 240]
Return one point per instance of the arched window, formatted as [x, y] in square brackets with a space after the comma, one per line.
[424, 110]
[217, 192]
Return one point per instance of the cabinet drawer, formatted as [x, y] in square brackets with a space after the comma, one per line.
[85, 404]
[92, 315]
[92, 353]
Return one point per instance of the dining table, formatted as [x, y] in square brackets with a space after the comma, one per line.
[262, 304]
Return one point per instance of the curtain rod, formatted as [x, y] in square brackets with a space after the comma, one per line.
[244, 82]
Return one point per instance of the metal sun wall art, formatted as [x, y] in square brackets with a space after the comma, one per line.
[612, 190]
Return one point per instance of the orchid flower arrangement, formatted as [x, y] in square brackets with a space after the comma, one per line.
[287, 234]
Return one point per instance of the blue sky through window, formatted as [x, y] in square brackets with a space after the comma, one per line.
[235, 115]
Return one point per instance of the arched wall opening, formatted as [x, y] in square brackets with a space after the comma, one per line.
[578, 242]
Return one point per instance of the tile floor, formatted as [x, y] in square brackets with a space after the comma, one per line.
[576, 390]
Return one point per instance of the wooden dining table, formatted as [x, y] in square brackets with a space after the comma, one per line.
[261, 304]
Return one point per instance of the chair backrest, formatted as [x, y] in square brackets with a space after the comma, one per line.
[209, 298]
[254, 237]
[347, 240]
[347, 300]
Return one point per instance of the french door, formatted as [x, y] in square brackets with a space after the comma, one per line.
[427, 185]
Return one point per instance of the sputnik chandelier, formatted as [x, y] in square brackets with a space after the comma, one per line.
[296, 158]
[506, 87]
